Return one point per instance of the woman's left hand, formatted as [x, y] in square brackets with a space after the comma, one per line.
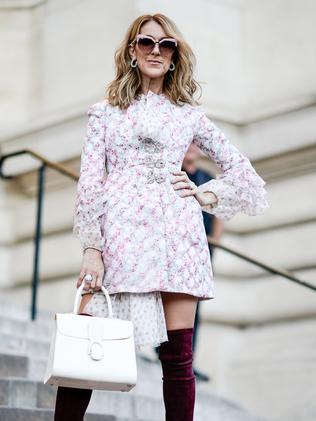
[181, 180]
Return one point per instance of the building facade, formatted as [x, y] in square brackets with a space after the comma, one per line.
[257, 67]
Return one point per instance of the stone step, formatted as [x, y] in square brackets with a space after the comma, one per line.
[12, 310]
[28, 329]
[28, 414]
[23, 393]
[30, 367]
[24, 346]
[13, 365]
[214, 408]
[26, 393]
[145, 398]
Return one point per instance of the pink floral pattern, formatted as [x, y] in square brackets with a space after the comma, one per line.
[151, 238]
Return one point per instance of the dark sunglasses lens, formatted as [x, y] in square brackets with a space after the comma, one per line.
[146, 44]
[168, 46]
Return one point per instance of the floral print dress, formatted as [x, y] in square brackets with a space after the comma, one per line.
[152, 239]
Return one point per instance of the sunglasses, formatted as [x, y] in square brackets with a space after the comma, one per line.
[146, 44]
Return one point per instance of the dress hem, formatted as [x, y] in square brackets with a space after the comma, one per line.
[148, 330]
[111, 291]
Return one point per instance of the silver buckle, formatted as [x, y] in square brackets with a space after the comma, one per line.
[150, 177]
[149, 162]
[151, 145]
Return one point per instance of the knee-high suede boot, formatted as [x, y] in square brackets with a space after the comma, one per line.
[176, 357]
[71, 403]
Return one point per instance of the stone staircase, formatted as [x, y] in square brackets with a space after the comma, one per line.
[24, 347]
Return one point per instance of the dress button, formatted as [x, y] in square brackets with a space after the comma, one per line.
[160, 163]
[160, 178]
[158, 146]
[149, 147]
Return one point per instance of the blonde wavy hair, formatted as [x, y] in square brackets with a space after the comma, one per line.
[179, 85]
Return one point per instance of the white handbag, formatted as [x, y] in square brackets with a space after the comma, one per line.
[92, 352]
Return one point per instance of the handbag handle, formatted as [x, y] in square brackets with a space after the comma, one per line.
[78, 300]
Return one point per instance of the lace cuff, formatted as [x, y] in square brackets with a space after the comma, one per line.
[238, 188]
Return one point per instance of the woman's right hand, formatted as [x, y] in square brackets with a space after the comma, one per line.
[92, 263]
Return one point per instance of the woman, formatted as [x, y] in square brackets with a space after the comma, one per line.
[141, 226]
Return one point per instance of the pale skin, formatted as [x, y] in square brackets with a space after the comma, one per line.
[179, 308]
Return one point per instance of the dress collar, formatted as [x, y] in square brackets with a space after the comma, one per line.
[152, 96]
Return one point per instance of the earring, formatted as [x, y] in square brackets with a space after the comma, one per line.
[134, 63]
[172, 66]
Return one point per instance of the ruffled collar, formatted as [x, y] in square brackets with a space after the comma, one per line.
[152, 96]
[148, 121]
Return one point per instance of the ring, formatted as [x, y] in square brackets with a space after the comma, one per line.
[88, 277]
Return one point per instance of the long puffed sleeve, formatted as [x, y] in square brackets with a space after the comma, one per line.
[90, 198]
[239, 188]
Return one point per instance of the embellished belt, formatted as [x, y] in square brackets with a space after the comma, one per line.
[152, 146]
[154, 164]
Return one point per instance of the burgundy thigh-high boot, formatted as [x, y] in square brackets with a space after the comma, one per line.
[71, 403]
[176, 356]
